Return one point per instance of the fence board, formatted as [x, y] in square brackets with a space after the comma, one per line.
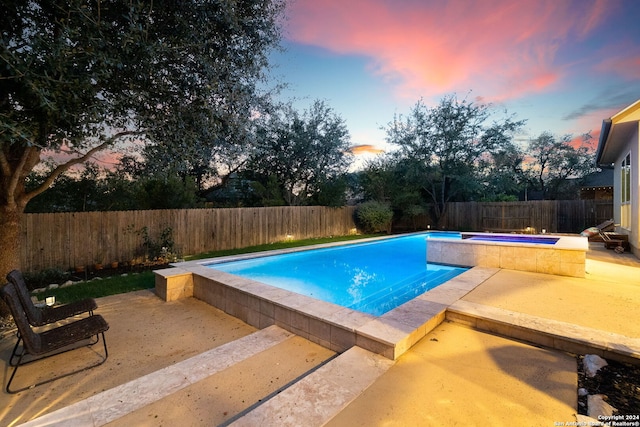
[67, 240]
[554, 216]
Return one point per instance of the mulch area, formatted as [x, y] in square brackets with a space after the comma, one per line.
[6, 326]
[620, 382]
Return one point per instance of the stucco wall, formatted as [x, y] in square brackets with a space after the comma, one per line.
[632, 146]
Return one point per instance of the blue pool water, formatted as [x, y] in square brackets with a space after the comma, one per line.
[514, 238]
[372, 277]
[517, 239]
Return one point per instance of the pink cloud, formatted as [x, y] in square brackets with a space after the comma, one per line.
[625, 65]
[501, 49]
[578, 141]
[590, 122]
[365, 149]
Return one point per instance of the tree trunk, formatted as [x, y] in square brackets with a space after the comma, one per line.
[10, 221]
[443, 215]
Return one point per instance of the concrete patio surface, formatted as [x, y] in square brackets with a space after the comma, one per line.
[604, 300]
[460, 376]
[158, 352]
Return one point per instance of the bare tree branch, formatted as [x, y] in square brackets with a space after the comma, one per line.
[60, 169]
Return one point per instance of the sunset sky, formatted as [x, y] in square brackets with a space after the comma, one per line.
[562, 65]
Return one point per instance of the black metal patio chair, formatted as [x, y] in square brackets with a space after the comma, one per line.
[39, 316]
[40, 345]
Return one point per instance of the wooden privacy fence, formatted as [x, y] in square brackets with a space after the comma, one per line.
[554, 216]
[68, 240]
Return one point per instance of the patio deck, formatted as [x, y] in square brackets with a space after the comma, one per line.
[454, 374]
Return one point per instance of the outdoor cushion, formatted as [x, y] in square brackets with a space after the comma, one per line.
[590, 232]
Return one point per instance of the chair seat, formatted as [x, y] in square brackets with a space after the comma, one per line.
[53, 341]
[60, 312]
[71, 333]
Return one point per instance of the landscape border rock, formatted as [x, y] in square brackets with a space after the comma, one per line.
[592, 364]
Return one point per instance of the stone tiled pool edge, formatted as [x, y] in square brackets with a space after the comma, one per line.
[565, 258]
[339, 328]
[548, 333]
[326, 324]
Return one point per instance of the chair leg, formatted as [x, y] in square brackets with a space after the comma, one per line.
[104, 341]
[13, 374]
[15, 369]
[14, 353]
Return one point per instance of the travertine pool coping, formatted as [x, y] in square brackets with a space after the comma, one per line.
[567, 257]
[545, 332]
[114, 403]
[330, 325]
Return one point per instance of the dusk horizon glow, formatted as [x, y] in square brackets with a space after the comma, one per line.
[563, 65]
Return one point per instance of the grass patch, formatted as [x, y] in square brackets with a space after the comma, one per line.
[145, 280]
[279, 245]
[102, 287]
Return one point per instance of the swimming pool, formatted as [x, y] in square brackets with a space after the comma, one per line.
[372, 277]
[340, 328]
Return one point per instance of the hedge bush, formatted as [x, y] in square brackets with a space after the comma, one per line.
[374, 217]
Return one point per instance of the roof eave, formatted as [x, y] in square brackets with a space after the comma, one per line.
[604, 135]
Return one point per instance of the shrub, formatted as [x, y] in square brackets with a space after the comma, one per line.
[164, 248]
[43, 278]
[374, 217]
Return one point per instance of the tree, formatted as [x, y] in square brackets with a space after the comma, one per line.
[96, 190]
[210, 151]
[302, 151]
[554, 161]
[165, 193]
[78, 77]
[377, 180]
[503, 175]
[445, 146]
[390, 180]
[67, 194]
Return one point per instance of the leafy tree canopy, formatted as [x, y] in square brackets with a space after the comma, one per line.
[553, 160]
[99, 190]
[446, 147]
[78, 76]
[304, 152]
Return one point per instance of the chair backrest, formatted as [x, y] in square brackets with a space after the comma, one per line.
[31, 340]
[34, 314]
[606, 226]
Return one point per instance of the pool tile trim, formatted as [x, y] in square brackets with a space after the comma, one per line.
[330, 325]
[565, 258]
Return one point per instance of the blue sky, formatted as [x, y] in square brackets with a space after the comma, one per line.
[563, 65]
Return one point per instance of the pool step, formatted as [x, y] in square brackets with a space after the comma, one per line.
[119, 401]
[545, 332]
[404, 291]
[321, 395]
[310, 400]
